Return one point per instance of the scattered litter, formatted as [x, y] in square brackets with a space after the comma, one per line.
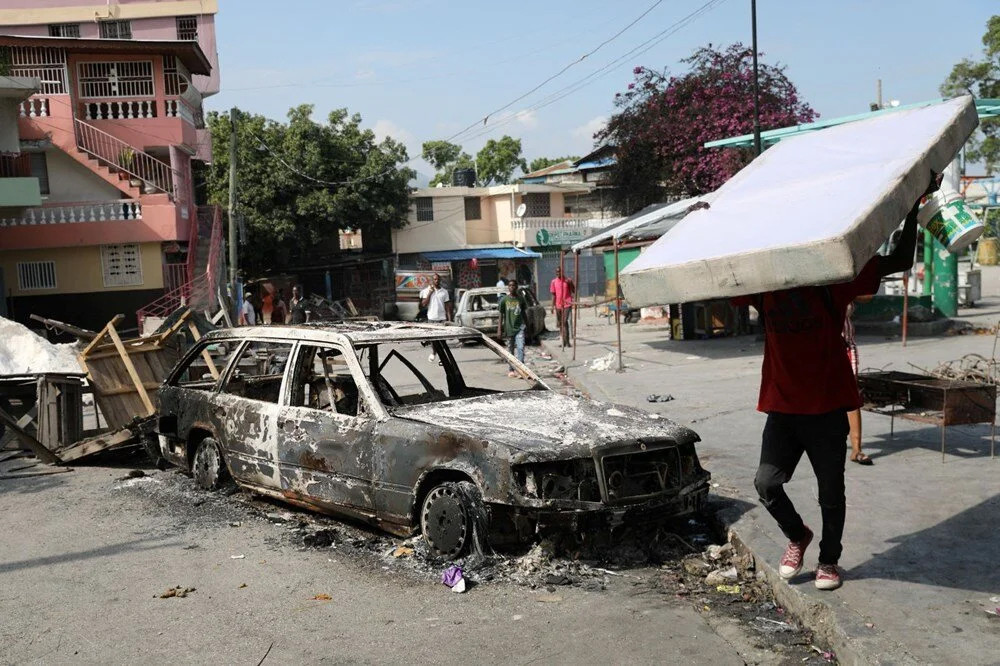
[178, 591]
[548, 598]
[615, 412]
[515, 618]
[721, 576]
[995, 612]
[716, 552]
[323, 538]
[728, 589]
[603, 363]
[659, 397]
[828, 655]
[453, 578]
[282, 517]
[134, 474]
[402, 551]
[235, 523]
[557, 579]
[870, 625]
[322, 597]
[242, 585]
[237, 557]
[768, 626]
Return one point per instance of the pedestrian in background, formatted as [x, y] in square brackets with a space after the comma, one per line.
[562, 290]
[513, 322]
[438, 303]
[297, 307]
[248, 315]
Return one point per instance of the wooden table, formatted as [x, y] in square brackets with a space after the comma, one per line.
[931, 400]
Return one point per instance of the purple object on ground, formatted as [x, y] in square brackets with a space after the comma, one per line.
[452, 575]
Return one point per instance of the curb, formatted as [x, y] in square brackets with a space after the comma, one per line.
[834, 623]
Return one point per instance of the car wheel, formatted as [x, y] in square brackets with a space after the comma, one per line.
[453, 519]
[208, 468]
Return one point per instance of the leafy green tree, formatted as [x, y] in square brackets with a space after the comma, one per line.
[498, 159]
[301, 182]
[543, 162]
[982, 79]
[445, 157]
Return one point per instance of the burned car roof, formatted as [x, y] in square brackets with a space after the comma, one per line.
[353, 332]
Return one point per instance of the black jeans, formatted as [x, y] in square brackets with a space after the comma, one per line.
[821, 437]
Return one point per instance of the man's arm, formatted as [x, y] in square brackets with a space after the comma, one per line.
[901, 258]
[447, 310]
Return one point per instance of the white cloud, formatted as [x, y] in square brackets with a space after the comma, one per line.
[364, 74]
[527, 118]
[589, 128]
[384, 128]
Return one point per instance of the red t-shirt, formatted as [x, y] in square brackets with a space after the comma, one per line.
[806, 369]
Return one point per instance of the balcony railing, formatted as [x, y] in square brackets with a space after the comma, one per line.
[563, 222]
[95, 211]
[15, 165]
[114, 152]
[35, 107]
[119, 109]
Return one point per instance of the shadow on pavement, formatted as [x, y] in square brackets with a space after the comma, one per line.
[717, 348]
[964, 441]
[959, 552]
[136, 545]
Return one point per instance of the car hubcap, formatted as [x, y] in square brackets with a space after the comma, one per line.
[445, 521]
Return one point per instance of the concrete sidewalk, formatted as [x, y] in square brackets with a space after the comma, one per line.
[922, 534]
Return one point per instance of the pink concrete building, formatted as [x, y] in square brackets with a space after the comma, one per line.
[112, 135]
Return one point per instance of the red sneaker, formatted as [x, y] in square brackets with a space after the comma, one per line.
[827, 577]
[791, 561]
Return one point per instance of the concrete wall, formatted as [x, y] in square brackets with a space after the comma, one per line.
[446, 232]
[70, 181]
[9, 139]
[79, 270]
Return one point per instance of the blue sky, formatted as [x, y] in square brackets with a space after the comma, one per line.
[426, 69]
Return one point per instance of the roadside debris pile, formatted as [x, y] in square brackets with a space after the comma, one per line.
[25, 352]
[603, 363]
[969, 368]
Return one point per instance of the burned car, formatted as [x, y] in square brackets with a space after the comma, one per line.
[360, 420]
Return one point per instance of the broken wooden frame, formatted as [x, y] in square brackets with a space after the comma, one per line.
[930, 400]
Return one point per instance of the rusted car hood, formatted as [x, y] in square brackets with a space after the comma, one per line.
[546, 425]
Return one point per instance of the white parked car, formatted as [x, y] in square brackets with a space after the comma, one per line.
[480, 309]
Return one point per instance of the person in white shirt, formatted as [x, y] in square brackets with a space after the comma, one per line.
[248, 316]
[435, 298]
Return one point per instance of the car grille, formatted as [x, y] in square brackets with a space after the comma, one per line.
[639, 474]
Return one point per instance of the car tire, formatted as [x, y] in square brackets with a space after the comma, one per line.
[454, 520]
[208, 467]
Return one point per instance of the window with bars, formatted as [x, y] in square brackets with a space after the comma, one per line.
[537, 204]
[41, 62]
[115, 29]
[64, 30]
[40, 170]
[473, 208]
[36, 275]
[130, 78]
[187, 27]
[175, 76]
[425, 209]
[122, 265]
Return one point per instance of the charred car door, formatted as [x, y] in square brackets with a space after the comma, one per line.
[325, 432]
[247, 408]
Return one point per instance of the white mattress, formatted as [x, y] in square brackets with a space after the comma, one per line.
[810, 210]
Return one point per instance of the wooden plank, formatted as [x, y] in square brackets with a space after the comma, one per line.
[133, 373]
[204, 352]
[176, 326]
[80, 333]
[117, 319]
[102, 442]
[22, 423]
[124, 390]
[40, 451]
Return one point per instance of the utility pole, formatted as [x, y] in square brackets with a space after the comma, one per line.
[878, 92]
[233, 267]
[756, 83]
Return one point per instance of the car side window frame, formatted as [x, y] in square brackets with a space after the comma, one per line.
[366, 409]
[192, 355]
[283, 396]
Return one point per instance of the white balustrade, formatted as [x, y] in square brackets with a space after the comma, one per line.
[563, 222]
[119, 109]
[35, 107]
[178, 108]
[96, 211]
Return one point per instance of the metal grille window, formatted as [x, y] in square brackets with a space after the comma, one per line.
[115, 29]
[175, 76]
[473, 209]
[41, 62]
[131, 78]
[425, 209]
[187, 27]
[36, 275]
[122, 265]
[537, 203]
[64, 30]
[40, 170]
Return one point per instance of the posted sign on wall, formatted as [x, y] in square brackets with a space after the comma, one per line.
[559, 236]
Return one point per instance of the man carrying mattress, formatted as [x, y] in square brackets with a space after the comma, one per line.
[806, 389]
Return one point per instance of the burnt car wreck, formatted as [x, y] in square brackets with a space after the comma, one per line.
[417, 428]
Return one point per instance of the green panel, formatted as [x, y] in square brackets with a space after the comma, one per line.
[884, 308]
[625, 257]
[19, 192]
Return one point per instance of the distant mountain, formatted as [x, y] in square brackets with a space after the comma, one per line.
[420, 180]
